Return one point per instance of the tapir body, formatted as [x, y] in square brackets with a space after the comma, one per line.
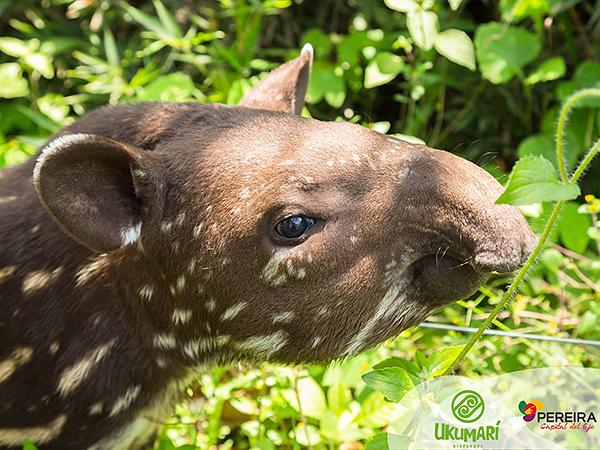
[148, 241]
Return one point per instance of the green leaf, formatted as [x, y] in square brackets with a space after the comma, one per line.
[534, 180]
[53, 106]
[28, 445]
[551, 69]
[40, 63]
[13, 47]
[383, 69]
[393, 382]
[587, 75]
[402, 5]
[167, 19]
[110, 48]
[175, 87]
[502, 51]
[147, 21]
[441, 359]
[338, 397]
[12, 83]
[573, 227]
[516, 10]
[325, 83]
[312, 398]
[378, 442]
[423, 28]
[394, 361]
[456, 45]
[307, 435]
[454, 4]
[319, 40]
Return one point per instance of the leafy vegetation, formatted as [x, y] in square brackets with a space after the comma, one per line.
[485, 81]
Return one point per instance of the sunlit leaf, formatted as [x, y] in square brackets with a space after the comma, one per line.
[456, 45]
[534, 180]
[393, 382]
[551, 69]
[442, 358]
[13, 47]
[12, 83]
[573, 227]
[383, 69]
[502, 51]
[423, 28]
[402, 5]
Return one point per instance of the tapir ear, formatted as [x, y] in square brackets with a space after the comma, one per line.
[98, 190]
[285, 87]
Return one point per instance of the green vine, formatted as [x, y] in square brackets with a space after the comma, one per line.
[585, 162]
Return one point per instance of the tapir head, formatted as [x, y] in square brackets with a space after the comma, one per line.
[280, 237]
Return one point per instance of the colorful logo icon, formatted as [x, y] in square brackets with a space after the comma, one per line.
[530, 408]
[468, 406]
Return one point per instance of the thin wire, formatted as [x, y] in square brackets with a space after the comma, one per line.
[539, 337]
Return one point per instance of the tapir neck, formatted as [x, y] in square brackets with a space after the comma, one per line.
[87, 342]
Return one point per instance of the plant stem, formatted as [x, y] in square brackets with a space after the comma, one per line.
[511, 289]
[560, 128]
[587, 159]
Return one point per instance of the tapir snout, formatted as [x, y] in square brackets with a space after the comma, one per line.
[455, 199]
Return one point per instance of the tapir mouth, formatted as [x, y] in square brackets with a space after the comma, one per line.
[443, 280]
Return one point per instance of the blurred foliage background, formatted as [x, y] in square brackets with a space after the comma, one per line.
[483, 79]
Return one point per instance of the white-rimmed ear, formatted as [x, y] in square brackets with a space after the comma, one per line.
[98, 190]
[285, 87]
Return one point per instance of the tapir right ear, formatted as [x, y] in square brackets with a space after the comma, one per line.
[285, 87]
[99, 191]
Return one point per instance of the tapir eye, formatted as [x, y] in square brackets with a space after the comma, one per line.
[294, 227]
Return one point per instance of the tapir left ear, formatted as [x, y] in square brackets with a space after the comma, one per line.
[101, 192]
[285, 87]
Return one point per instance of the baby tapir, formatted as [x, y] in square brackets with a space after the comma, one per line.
[147, 241]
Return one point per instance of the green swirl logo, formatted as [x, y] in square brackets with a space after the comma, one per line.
[467, 406]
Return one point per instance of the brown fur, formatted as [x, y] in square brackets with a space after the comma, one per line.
[101, 322]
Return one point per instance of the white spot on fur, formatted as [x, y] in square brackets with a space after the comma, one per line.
[131, 234]
[91, 270]
[264, 346]
[95, 409]
[284, 317]
[8, 199]
[198, 229]
[353, 240]
[323, 311]
[180, 218]
[166, 226]
[146, 292]
[72, 377]
[181, 316]
[161, 362]
[7, 272]
[14, 437]
[316, 341]
[20, 356]
[233, 311]
[39, 279]
[390, 304]
[211, 305]
[164, 341]
[245, 193]
[125, 401]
